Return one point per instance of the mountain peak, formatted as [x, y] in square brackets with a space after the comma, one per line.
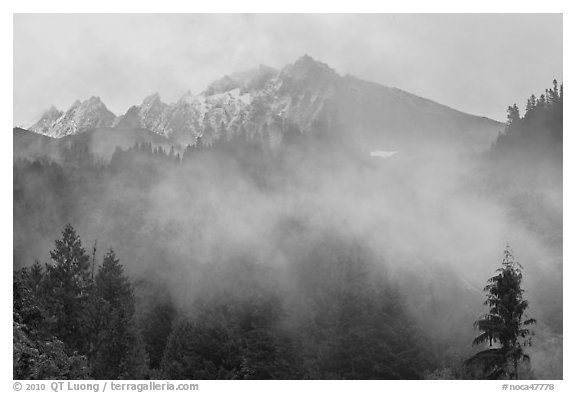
[187, 98]
[246, 80]
[93, 102]
[308, 68]
[306, 62]
[50, 112]
[306, 58]
[151, 100]
[91, 113]
[306, 95]
[48, 118]
[154, 96]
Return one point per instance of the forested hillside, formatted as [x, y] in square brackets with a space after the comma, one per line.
[313, 260]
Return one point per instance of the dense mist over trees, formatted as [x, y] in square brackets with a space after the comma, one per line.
[312, 259]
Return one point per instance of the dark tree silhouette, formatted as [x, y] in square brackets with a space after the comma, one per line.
[118, 349]
[70, 324]
[513, 114]
[66, 288]
[36, 353]
[505, 322]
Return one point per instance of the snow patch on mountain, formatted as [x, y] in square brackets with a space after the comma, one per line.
[48, 118]
[306, 96]
[383, 153]
[82, 116]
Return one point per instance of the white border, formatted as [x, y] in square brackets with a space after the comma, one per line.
[358, 6]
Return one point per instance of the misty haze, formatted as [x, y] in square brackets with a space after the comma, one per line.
[291, 220]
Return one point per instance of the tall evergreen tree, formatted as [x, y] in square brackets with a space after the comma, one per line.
[505, 322]
[36, 353]
[530, 105]
[513, 115]
[156, 327]
[69, 324]
[118, 350]
[66, 287]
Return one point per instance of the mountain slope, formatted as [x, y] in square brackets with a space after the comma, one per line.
[48, 118]
[82, 116]
[305, 97]
[99, 142]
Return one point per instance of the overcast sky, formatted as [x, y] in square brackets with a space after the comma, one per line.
[478, 64]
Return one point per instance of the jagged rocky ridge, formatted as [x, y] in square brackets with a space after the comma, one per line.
[82, 116]
[307, 96]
